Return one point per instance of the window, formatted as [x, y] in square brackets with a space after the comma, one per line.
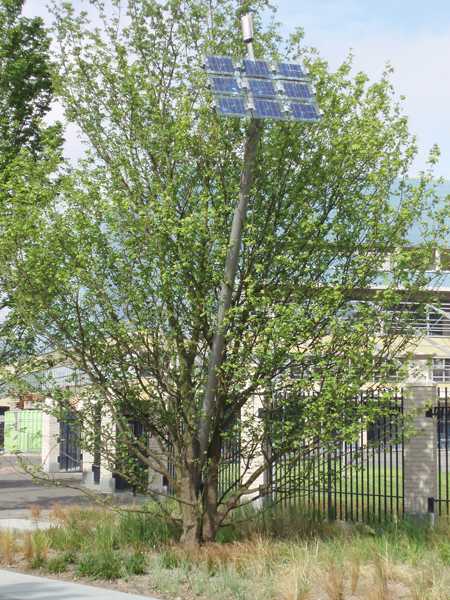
[431, 320]
[441, 370]
[443, 434]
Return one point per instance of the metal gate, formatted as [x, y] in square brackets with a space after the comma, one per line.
[443, 438]
[70, 456]
[361, 480]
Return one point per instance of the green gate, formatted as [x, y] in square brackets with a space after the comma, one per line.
[23, 431]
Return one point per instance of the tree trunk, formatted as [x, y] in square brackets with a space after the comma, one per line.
[211, 492]
[190, 511]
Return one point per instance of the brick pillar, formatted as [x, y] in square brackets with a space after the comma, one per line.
[420, 452]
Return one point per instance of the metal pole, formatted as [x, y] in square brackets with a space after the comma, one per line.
[231, 264]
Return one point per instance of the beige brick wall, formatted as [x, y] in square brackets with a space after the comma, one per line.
[420, 451]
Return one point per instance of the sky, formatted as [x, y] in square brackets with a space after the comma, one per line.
[413, 36]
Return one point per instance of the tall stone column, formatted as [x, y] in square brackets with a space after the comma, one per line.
[107, 483]
[420, 452]
[50, 443]
[155, 480]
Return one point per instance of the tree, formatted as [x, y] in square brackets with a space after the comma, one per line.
[27, 144]
[25, 80]
[121, 266]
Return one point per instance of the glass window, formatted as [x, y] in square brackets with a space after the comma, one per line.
[443, 434]
[441, 370]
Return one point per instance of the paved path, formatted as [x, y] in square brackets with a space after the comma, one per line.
[17, 586]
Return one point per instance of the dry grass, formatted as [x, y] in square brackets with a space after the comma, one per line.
[382, 574]
[397, 564]
[294, 584]
[8, 547]
[58, 514]
[355, 572]
[35, 512]
[334, 582]
[27, 547]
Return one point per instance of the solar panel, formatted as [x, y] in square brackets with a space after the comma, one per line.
[293, 70]
[231, 107]
[268, 109]
[225, 85]
[220, 64]
[262, 88]
[293, 89]
[257, 68]
[304, 112]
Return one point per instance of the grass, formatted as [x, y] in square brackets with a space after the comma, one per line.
[278, 555]
[368, 494]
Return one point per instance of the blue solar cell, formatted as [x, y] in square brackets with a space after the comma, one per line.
[262, 88]
[268, 109]
[219, 64]
[231, 107]
[296, 90]
[257, 68]
[225, 85]
[304, 112]
[293, 70]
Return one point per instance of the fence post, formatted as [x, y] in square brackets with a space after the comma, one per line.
[420, 454]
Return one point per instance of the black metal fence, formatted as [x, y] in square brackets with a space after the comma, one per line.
[70, 456]
[361, 480]
[230, 465]
[443, 437]
[358, 480]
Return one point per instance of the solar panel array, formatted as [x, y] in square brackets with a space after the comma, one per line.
[260, 89]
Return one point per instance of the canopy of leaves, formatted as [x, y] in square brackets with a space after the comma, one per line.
[25, 80]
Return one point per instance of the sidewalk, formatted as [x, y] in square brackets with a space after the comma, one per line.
[17, 586]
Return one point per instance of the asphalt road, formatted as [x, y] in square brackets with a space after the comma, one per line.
[18, 492]
[17, 586]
